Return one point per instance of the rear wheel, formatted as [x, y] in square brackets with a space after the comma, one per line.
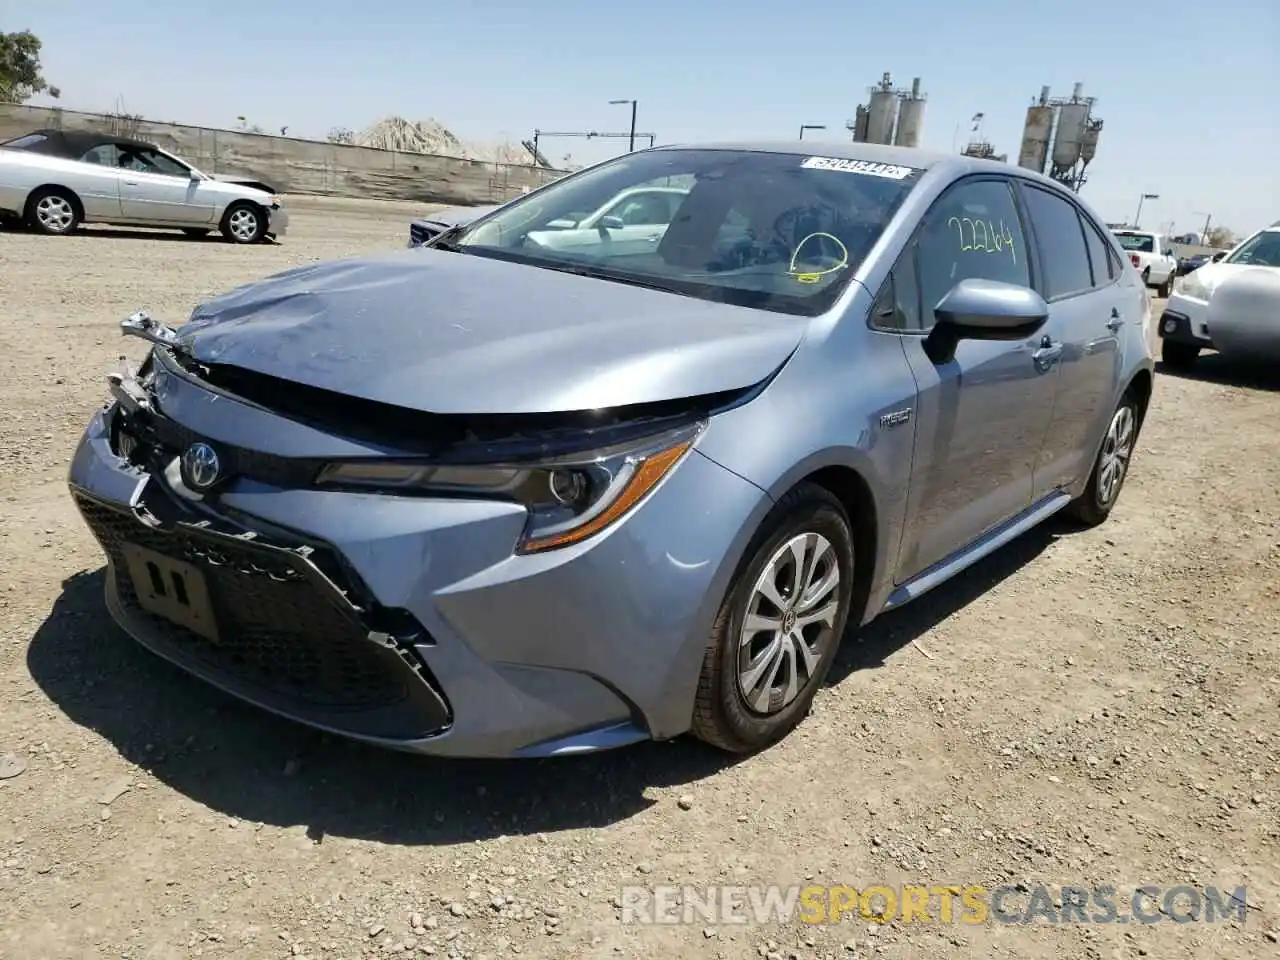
[54, 211]
[1166, 288]
[1146, 276]
[244, 223]
[779, 627]
[1178, 356]
[1111, 467]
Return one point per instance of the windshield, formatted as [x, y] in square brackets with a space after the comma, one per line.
[775, 231]
[1138, 242]
[1260, 250]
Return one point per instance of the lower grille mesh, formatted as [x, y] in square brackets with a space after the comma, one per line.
[278, 628]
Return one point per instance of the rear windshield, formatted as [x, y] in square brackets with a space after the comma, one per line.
[25, 142]
[1138, 242]
[779, 232]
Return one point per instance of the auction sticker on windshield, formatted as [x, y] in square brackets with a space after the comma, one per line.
[890, 171]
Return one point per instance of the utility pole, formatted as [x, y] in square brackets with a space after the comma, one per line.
[632, 147]
[811, 126]
[1204, 237]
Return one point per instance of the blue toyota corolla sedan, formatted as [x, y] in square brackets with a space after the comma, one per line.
[544, 486]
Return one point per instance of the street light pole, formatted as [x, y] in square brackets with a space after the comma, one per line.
[1137, 217]
[811, 126]
[632, 146]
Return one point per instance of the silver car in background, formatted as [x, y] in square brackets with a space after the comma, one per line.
[55, 180]
[505, 496]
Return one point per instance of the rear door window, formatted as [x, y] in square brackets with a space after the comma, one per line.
[1060, 238]
[1101, 258]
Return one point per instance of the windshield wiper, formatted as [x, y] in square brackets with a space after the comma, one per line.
[445, 239]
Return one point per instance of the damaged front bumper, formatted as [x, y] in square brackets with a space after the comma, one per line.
[404, 621]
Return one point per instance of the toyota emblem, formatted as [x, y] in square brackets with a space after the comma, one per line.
[201, 468]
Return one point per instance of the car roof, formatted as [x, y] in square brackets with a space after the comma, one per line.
[74, 143]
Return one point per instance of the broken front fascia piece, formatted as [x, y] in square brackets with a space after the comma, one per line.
[141, 325]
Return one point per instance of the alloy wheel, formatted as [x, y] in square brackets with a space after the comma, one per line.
[1116, 451]
[243, 224]
[55, 213]
[789, 621]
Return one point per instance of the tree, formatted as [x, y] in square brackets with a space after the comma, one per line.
[1221, 238]
[20, 78]
[341, 135]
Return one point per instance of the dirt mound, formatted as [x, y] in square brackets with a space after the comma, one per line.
[432, 137]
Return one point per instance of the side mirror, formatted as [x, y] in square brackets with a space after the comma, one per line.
[983, 310]
[610, 223]
[1219, 255]
[193, 174]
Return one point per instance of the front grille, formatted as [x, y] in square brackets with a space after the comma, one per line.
[420, 233]
[286, 637]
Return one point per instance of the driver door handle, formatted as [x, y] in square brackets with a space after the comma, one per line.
[1048, 352]
[1115, 323]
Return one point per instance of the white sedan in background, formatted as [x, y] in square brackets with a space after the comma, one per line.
[55, 180]
[1232, 306]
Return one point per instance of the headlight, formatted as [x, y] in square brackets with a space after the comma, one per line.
[1192, 286]
[569, 499]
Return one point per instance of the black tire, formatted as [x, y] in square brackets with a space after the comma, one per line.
[1178, 356]
[54, 211]
[1099, 498]
[1166, 288]
[195, 233]
[722, 716]
[241, 214]
[1146, 277]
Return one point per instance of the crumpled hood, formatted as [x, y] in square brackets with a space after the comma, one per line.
[446, 332]
[452, 216]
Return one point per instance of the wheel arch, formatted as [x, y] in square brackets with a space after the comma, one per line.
[843, 474]
[244, 202]
[42, 188]
[1141, 385]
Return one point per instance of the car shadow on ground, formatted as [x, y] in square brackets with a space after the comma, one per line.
[245, 763]
[1215, 368]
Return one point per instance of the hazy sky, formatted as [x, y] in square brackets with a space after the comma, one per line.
[1188, 91]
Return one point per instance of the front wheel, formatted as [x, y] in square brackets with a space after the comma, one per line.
[779, 627]
[1111, 467]
[244, 223]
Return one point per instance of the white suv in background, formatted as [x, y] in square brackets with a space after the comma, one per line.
[1152, 256]
[1232, 305]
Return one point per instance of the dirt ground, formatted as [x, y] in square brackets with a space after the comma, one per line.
[1083, 708]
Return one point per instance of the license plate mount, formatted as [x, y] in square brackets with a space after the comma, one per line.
[171, 589]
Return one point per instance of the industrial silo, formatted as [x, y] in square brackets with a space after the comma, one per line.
[860, 124]
[1069, 140]
[1089, 141]
[910, 117]
[1035, 137]
[881, 112]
